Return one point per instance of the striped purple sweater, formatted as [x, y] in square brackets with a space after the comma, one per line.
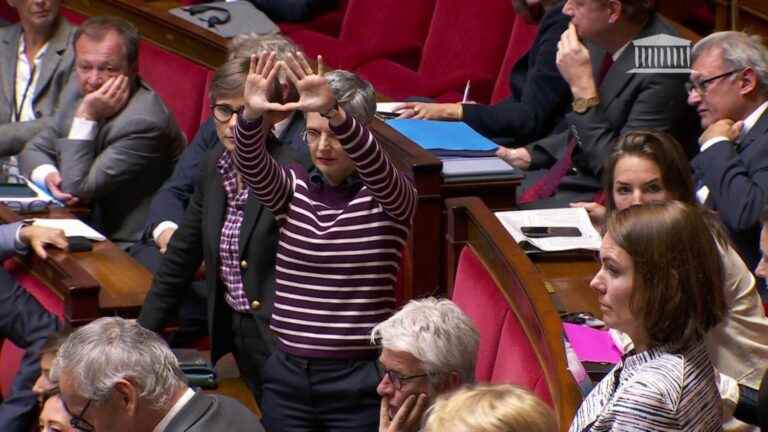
[340, 247]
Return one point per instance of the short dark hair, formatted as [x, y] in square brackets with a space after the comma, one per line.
[678, 272]
[661, 149]
[55, 341]
[97, 27]
[635, 11]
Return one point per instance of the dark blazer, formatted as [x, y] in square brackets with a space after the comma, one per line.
[627, 102]
[540, 96]
[121, 168]
[170, 202]
[27, 324]
[197, 239]
[736, 175]
[211, 413]
[56, 71]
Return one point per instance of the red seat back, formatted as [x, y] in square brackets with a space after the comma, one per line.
[468, 37]
[506, 353]
[523, 35]
[179, 82]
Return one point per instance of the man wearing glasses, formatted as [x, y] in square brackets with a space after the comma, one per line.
[116, 376]
[729, 89]
[428, 348]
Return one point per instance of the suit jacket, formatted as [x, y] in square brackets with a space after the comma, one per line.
[56, 71]
[540, 96]
[627, 102]
[197, 239]
[27, 324]
[737, 178]
[170, 202]
[210, 413]
[121, 168]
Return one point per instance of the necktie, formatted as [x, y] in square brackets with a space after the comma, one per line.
[547, 185]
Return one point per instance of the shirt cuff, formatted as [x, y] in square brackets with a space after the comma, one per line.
[729, 393]
[82, 129]
[40, 173]
[712, 141]
[162, 226]
[19, 245]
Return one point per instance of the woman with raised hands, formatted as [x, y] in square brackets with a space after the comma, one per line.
[343, 226]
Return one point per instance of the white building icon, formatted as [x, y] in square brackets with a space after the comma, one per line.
[662, 53]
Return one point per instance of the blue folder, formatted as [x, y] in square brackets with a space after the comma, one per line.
[445, 137]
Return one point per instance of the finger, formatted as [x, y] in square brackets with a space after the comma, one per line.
[274, 69]
[402, 106]
[414, 417]
[269, 65]
[290, 74]
[254, 65]
[409, 113]
[384, 414]
[106, 88]
[293, 66]
[320, 66]
[403, 412]
[302, 59]
[260, 63]
[72, 201]
[37, 246]
[290, 106]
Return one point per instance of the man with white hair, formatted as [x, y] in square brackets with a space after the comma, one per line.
[116, 376]
[428, 348]
[729, 88]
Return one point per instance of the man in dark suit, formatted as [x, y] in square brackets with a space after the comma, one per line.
[540, 96]
[37, 57]
[113, 142]
[117, 376]
[729, 88]
[24, 322]
[607, 100]
[234, 235]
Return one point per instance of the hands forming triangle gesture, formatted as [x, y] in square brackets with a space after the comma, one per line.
[315, 94]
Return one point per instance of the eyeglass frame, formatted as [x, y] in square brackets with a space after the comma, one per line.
[232, 112]
[701, 87]
[396, 378]
[79, 423]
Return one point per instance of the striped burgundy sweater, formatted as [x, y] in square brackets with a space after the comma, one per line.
[340, 247]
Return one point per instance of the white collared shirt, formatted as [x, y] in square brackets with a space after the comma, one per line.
[183, 400]
[26, 81]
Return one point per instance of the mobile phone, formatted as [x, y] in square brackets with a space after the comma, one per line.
[542, 231]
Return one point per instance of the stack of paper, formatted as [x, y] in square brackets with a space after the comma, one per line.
[481, 168]
[563, 217]
[71, 228]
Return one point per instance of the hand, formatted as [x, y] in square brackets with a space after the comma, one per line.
[722, 128]
[260, 80]
[53, 183]
[107, 101]
[517, 157]
[597, 213]
[429, 111]
[408, 417]
[575, 65]
[164, 238]
[315, 94]
[38, 237]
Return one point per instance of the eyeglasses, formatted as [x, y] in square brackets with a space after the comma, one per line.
[396, 378]
[223, 112]
[36, 206]
[313, 136]
[702, 86]
[79, 423]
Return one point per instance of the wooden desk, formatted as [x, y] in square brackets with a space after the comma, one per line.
[104, 281]
[742, 15]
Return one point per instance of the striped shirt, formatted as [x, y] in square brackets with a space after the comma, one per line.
[340, 246]
[655, 390]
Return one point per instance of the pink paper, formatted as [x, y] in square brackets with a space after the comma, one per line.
[592, 345]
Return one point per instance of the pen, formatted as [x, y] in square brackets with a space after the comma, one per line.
[466, 93]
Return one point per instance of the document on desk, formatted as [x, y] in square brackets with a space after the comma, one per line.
[453, 138]
[71, 227]
[562, 217]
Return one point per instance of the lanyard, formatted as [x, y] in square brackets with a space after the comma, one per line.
[17, 108]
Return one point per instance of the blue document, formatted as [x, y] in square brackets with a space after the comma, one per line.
[440, 136]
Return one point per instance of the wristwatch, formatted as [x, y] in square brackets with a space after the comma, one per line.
[582, 105]
[331, 112]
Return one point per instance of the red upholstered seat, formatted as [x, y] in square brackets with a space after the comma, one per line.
[506, 354]
[328, 22]
[368, 33]
[466, 41]
[179, 82]
[523, 35]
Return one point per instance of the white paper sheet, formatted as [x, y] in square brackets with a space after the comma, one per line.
[71, 227]
[562, 217]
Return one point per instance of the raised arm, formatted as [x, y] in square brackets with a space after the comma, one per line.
[271, 183]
